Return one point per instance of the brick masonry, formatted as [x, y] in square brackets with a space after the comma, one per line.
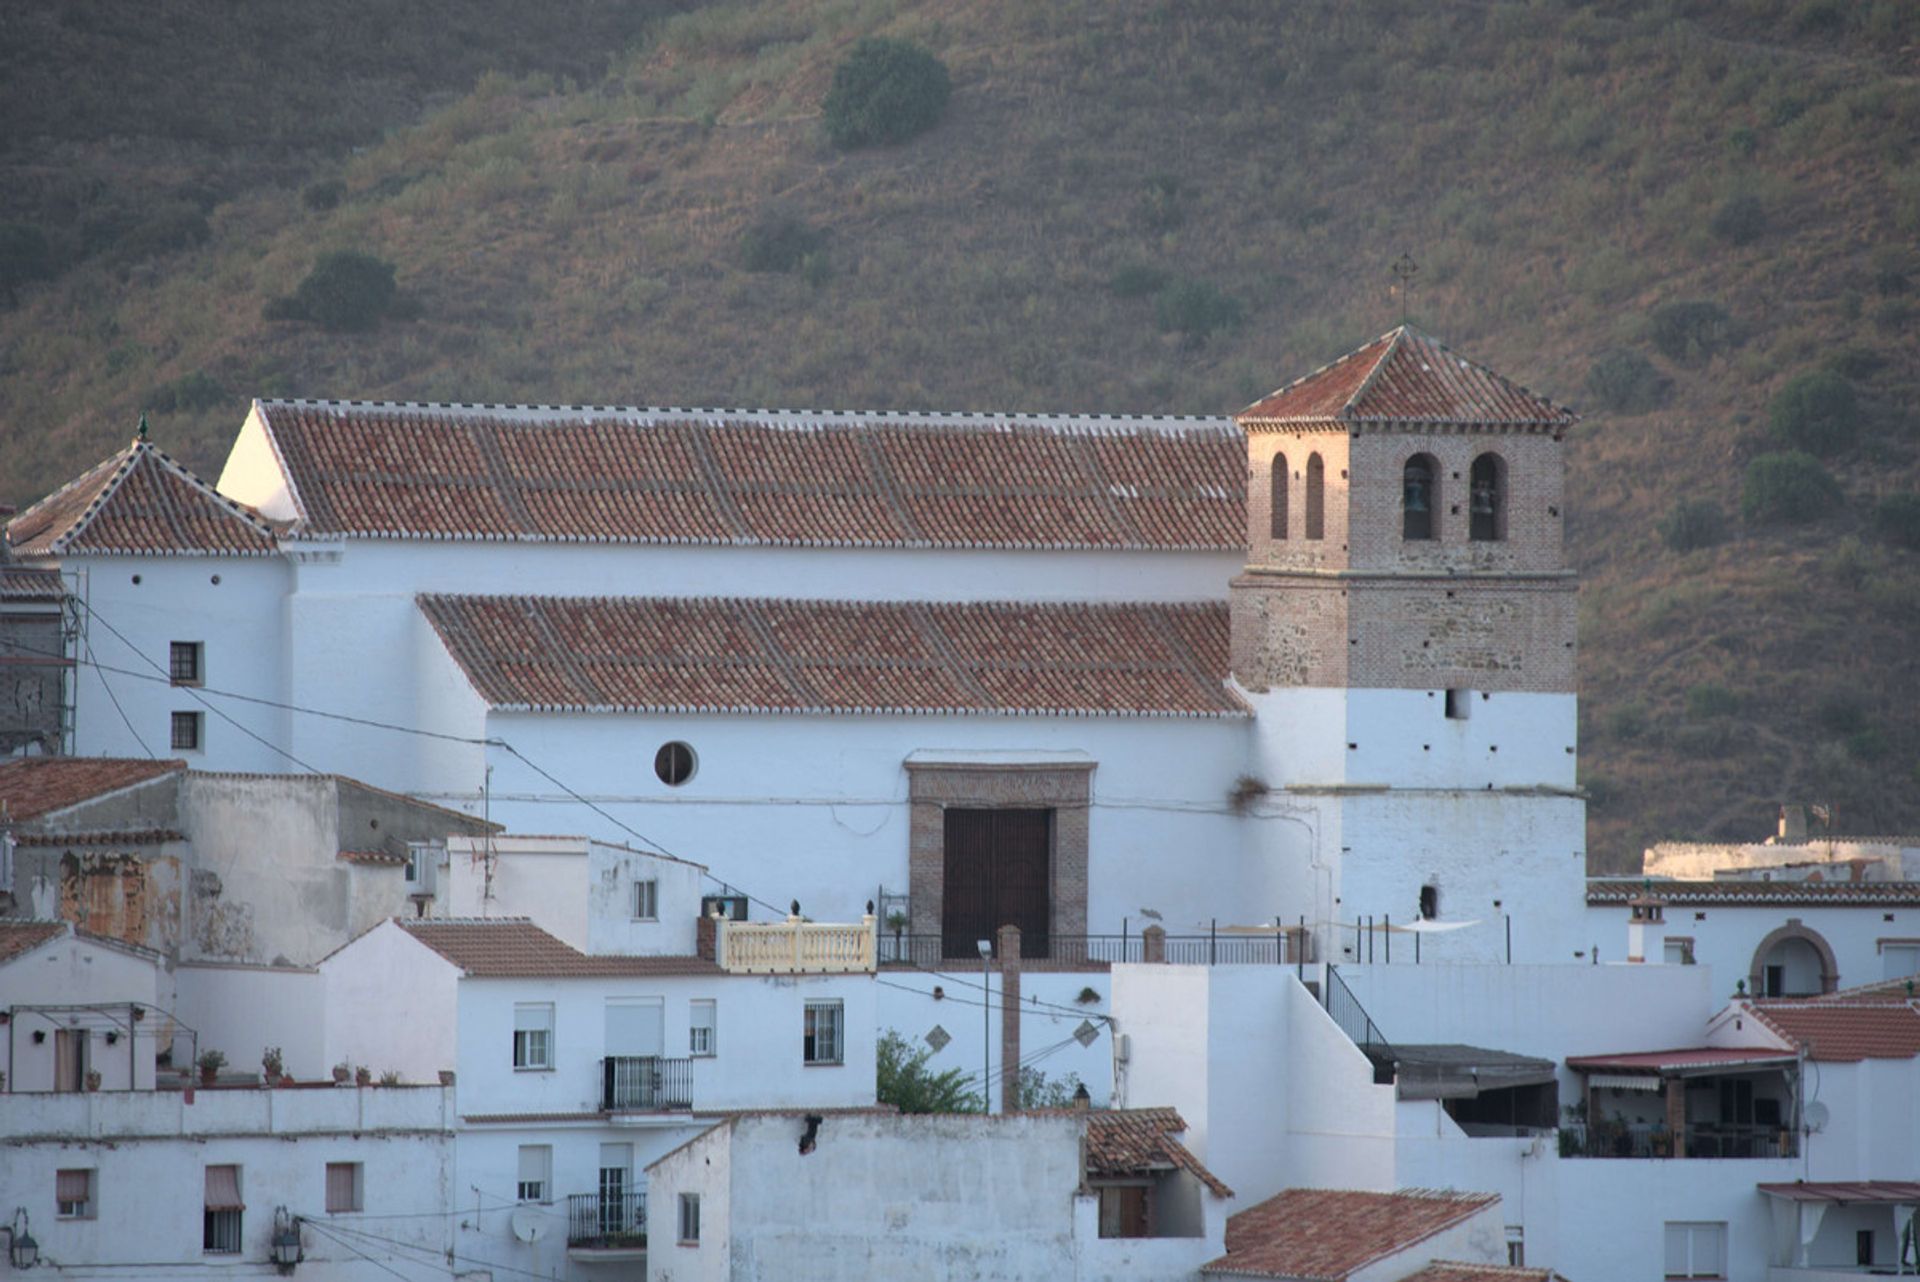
[1065, 789]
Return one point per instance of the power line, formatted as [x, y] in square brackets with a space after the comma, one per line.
[115, 699]
[437, 1252]
[378, 1264]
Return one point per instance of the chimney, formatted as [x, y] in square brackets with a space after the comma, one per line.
[1153, 944]
[706, 936]
[1793, 823]
[1646, 926]
[1009, 1019]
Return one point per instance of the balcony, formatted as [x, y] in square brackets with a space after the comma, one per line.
[1280, 946]
[605, 1223]
[796, 947]
[1706, 1139]
[645, 1084]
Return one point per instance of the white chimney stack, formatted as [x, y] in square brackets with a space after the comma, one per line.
[1646, 926]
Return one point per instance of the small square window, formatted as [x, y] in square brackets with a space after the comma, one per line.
[646, 900]
[186, 732]
[700, 1026]
[536, 1172]
[1696, 1249]
[689, 1219]
[184, 663]
[73, 1194]
[533, 1035]
[344, 1191]
[822, 1041]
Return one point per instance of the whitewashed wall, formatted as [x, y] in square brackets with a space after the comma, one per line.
[1725, 936]
[71, 971]
[242, 1010]
[1640, 1197]
[391, 1003]
[577, 890]
[703, 1168]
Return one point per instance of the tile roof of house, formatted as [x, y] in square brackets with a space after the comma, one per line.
[727, 655]
[1132, 1141]
[25, 583]
[139, 502]
[35, 786]
[101, 837]
[515, 948]
[17, 936]
[818, 478]
[1844, 1031]
[1461, 1271]
[1899, 989]
[1676, 1060]
[1405, 377]
[1329, 1234]
[1602, 892]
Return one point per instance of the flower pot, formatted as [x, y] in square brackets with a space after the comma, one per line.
[363, 1077]
[341, 1073]
[208, 1076]
[446, 1077]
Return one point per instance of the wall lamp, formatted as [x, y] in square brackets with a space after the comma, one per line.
[22, 1251]
[285, 1249]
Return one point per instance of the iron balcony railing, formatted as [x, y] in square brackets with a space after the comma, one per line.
[607, 1221]
[1354, 1021]
[645, 1083]
[1703, 1139]
[1281, 947]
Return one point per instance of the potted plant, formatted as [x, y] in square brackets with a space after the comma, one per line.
[93, 1079]
[362, 1075]
[341, 1072]
[210, 1062]
[272, 1065]
[391, 1077]
[446, 1077]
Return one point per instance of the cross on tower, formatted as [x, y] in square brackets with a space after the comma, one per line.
[1405, 269]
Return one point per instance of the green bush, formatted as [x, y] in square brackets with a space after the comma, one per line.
[1627, 383]
[1627, 721]
[26, 255]
[1694, 523]
[1197, 309]
[1787, 488]
[196, 391]
[1740, 220]
[1708, 701]
[1815, 412]
[1840, 713]
[345, 292]
[1160, 208]
[1137, 280]
[903, 1080]
[325, 194]
[778, 241]
[166, 229]
[1690, 332]
[885, 91]
[1897, 519]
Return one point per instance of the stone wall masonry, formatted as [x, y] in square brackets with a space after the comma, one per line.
[1297, 551]
[1534, 499]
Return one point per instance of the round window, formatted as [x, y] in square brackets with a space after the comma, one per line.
[673, 763]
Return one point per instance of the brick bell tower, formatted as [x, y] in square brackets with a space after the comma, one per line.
[1405, 629]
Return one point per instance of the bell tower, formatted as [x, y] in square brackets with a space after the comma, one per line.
[1405, 630]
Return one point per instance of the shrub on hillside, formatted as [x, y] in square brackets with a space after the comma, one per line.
[26, 255]
[1196, 309]
[885, 91]
[1627, 383]
[1897, 519]
[1787, 488]
[1694, 523]
[1690, 332]
[1137, 280]
[345, 292]
[325, 194]
[164, 230]
[778, 241]
[1815, 412]
[1740, 220]
[196, 391]
[1705, 701]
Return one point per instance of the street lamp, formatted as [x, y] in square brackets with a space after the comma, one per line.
[285, 1246]
[22, 1251]
[986, 1029]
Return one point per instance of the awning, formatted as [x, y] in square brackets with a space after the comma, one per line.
[1447, 1070]
[1623, 1081]
[1857, 1192]
[223, 1189]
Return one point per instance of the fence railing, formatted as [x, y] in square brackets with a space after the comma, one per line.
[645, 1082]
[787, 947]
[607, 1221]
[1359, 1027]
[1287, 946]
[1704, 1139]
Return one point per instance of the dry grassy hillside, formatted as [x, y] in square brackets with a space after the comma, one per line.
[1127, 206]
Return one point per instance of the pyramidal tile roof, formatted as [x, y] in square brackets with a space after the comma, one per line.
[769, 477]
[139, 502]
[1327, 1235]
[1405, 377]
[711, 654]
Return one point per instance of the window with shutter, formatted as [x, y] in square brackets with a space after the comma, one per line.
[533, 1035]
[73, 1194]
[343, 1187]
[221, 1223]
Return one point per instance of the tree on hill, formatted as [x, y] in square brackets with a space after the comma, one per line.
[1787, 488]
[345, 292]
[885, 91]
[1815, 412]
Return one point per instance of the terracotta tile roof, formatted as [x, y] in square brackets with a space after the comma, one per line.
[1460, 1271]
[101, 837]
[1769, 893]
[1844, 1031]
[515, 948]
[34, 786]
[1136, 1140]
[1897, 990]
[18, 937]
[606, 474]
[1677, 1060]
[1405, 376]
[24, 583]
[385, 857]
[139, 503]
[710, 654]
[1328, 1234]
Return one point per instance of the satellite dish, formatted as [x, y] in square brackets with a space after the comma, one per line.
[1817, 1115]
[529, 1223]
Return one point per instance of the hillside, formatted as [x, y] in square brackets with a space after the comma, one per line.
[1127, 206]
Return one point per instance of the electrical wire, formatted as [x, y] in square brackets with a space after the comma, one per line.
[437, 1252]
[316, 1226]
[114, 699]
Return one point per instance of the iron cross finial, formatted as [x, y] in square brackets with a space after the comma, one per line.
[142, 434]
[1405, 269]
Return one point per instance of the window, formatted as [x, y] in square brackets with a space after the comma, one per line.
[822, 1041]
[1123, 1211]
[1487, 499]
[1696, 1249]
[1316, 497]
[186, 731]
[700, 1040]
[1418, 497]
[183, 663]
[70, 1047]
[343, 1187]
[220, 1227]
[1679, 952]
[674, 763]
[618, 1210]
[73, 1194]
[536, 1172]
[1863, 1246]
[646, 900]
[1516, 1245]
[1429, 902]
[533, 1035]
[1899, 958]
[1459, 705]
[1277, 521]
[689, 1219]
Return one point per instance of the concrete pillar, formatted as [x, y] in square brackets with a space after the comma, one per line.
[1677, 1114]
[1009, 949]
[1153, 944]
